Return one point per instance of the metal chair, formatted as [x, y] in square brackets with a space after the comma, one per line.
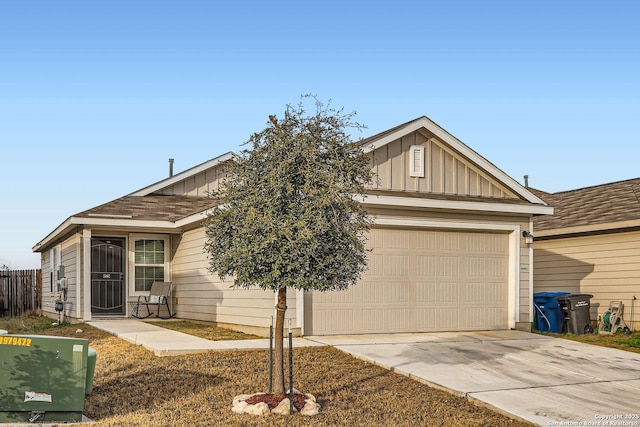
[159, 295]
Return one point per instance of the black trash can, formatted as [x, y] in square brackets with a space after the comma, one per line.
[576, 309]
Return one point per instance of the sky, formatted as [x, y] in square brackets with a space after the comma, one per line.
[96, 96]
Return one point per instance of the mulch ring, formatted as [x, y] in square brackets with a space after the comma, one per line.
[273, 400]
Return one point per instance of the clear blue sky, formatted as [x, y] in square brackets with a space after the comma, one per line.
[96, 96]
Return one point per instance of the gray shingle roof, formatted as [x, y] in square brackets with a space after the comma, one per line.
[600, 204]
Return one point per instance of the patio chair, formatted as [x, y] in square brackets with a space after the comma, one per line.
[159, 295]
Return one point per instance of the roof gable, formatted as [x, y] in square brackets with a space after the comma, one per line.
[452, 168]
[195, 181]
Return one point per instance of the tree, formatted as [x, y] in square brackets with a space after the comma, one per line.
[288, 216]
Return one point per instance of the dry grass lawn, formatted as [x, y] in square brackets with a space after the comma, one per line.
[619, 340]
[133, 387]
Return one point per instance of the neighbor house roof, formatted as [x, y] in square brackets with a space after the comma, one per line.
[606, 206]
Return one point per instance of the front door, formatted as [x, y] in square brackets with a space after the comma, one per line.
[107, 276]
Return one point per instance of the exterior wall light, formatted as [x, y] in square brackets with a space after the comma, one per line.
[528, 237]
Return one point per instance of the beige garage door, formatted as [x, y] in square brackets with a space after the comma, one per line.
[420, 281]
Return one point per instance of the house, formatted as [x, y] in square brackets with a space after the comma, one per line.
[447, 248]
[591, 245]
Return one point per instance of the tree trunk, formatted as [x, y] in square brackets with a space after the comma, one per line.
[278, 371]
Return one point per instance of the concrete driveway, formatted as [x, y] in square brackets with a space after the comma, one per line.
[547, 381]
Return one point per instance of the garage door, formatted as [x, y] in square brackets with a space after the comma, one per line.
[420, 281]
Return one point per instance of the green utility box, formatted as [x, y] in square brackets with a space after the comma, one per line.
[44, 378]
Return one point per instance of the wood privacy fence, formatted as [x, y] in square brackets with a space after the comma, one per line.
[20, 292]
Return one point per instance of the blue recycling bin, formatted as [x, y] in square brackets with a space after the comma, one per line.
[549, 316]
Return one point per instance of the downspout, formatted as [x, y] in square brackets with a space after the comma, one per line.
[531, 271]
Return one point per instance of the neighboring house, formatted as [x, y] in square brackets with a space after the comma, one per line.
[591, 245]
[447, 248]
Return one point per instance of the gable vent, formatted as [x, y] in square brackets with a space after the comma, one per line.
[416, 153]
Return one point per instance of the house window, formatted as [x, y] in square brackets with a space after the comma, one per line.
[416, 169]
[55, 260]
[150, 262]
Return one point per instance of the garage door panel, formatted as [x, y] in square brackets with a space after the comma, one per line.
[397, 319]
[397, 292]
[446, 292]
[375, 265]
[447, 318]
[421, 281]
[372, 320]
[375, 293]
[395, 240]
[447, 266]
[425, 265]
[396, 265]
[446, 241]
[426, 319]
[342, 321]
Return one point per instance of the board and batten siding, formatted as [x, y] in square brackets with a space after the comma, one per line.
[200, 295]
[201, 184]
[606, 266]
[446, 171]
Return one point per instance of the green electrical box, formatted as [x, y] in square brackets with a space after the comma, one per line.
[44, 378]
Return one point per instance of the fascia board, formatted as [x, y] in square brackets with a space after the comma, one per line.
[454, 205]
[424, 122]
[408, 128]
[183, 175]
[590, 228]
[199, 217]
[71, 222]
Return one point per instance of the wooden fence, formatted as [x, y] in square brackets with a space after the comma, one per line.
[20, 292]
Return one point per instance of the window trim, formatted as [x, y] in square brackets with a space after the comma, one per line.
[132, 260]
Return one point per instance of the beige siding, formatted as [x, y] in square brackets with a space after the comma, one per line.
[420, 281]
[525, 304]
[50, 291]
[203, 296]
[200, 184]
[606, 266]
[48, 284]
[447, 172]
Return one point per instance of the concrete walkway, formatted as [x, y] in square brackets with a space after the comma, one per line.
[543, 380]
[165, 342]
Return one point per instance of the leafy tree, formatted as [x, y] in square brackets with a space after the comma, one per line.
[288, 215]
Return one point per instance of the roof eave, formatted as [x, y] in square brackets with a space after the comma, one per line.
[497, 207]
[587, 229]
[75, 221]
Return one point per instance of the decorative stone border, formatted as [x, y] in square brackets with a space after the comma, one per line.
[240, 406]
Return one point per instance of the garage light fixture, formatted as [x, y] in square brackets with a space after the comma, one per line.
[528, 237]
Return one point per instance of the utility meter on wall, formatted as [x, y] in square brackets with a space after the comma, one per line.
[62, 280]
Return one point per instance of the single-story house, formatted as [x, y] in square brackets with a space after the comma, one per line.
[591, 245]
[448, 252]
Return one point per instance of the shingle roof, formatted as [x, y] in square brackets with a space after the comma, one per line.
[151, 208]
[600, 204]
